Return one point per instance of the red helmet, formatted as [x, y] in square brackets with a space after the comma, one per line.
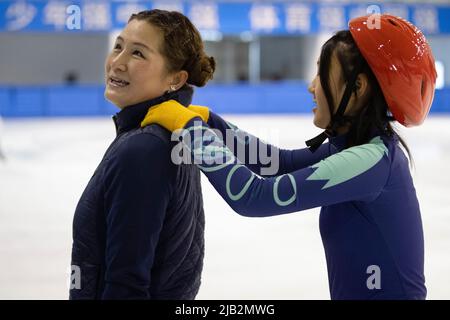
[402, 61]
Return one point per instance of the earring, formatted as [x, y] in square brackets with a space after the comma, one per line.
[173, 88]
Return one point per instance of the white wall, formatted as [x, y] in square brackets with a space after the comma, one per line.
[441, 50]
[44, 58]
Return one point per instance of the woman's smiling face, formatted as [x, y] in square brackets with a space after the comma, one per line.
[135, 69]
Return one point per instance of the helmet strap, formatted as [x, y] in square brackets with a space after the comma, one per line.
[337, 119]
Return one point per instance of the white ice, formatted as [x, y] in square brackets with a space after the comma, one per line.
[49, 161]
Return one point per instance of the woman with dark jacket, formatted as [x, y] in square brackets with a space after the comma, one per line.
[138, 229]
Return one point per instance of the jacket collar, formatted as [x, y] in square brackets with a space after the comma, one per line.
[340, 141]
[131, 116]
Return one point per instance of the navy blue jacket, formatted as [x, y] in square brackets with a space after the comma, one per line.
[138, 229]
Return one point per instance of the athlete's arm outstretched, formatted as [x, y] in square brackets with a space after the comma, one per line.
[357, 173]
[260, 157]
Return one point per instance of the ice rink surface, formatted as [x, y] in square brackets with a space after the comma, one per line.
[49, 162]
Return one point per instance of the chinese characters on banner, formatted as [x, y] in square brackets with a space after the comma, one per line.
[213, 16]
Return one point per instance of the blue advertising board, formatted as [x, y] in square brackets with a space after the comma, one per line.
[228, 18]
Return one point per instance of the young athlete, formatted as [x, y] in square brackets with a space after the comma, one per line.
[370, 219]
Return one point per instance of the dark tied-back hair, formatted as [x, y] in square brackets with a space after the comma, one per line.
[182, 45]
[374, 115]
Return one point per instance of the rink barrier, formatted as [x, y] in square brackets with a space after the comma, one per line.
[88, 100]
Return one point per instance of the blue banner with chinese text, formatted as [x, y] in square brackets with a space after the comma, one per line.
[228, 18]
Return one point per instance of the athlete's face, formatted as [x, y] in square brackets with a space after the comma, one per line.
[321, 110]
[135, 69]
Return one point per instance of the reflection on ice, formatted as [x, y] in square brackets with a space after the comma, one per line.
[49, 161]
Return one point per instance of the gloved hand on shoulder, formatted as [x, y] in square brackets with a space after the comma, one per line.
[172, 115]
